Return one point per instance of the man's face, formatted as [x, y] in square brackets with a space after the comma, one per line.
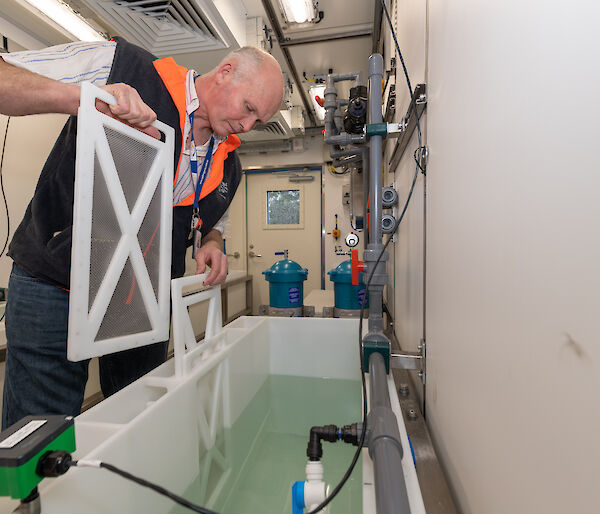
[238, 104]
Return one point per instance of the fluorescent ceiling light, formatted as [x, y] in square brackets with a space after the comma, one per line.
[299, 11]
[64, 16]
[320, 92]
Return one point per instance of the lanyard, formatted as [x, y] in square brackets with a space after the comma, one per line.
[204, 169]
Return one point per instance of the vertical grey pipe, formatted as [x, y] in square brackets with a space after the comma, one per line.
[375, 116]
[365, 196]
[385, 447]
[377, 274]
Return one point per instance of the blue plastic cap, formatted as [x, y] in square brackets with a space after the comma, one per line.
[343, 274]
[298, 498]
[286, 270]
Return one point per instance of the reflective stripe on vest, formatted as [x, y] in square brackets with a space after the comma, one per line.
[173, 76]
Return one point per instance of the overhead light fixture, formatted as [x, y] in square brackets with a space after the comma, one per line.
[299, 11]
[319, 91]
[63, 15]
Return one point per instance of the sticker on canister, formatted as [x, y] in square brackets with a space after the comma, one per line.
[293, 295]
[361, 296]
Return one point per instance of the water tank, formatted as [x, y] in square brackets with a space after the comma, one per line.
[347, 296]
[286, 288]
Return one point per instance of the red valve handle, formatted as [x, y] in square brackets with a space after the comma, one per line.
[357, 267]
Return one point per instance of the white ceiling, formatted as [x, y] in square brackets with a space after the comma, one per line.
[340, 16]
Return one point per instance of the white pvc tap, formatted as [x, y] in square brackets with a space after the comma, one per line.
[315, 489]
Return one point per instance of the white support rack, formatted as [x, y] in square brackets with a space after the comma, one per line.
[185, 346]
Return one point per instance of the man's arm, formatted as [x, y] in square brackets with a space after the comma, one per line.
[211, 253]
[23, 92]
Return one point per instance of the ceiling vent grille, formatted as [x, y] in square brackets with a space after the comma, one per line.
[166, 27]
[278, 127]
[272, 128]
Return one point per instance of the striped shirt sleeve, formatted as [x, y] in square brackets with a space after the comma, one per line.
[71, 63]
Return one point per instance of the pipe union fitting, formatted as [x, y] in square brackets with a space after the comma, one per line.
[389, 197]
[388, 223]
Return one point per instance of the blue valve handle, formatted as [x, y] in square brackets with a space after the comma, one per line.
[298, 498]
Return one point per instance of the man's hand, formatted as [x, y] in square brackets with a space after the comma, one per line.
[211, 253]
[130, 108]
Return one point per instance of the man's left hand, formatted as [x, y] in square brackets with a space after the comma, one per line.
[210, 254]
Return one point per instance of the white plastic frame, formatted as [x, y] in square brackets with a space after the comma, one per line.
[91, 141]
[185, 346]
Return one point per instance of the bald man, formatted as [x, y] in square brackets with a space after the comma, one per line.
[206, 112]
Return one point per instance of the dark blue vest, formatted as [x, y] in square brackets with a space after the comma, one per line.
[41, 245]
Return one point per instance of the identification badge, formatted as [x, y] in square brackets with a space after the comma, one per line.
[196, 243]
[195, 233]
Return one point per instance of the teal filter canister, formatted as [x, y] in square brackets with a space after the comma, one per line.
[286, 288]
[347, 296]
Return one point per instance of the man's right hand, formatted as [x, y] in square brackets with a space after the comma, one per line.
[130, 109]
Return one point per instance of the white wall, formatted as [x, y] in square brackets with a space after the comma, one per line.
[28, 143]
[513, 286]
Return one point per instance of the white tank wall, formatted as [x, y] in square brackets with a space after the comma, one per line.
[513, 252]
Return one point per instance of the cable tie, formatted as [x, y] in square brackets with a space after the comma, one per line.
[89, 463]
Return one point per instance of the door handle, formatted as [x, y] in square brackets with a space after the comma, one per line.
[235, 255]
[252, 254]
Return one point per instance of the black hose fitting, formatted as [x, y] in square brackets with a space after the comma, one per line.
[349, 434]
[54, 464]
[314, 450]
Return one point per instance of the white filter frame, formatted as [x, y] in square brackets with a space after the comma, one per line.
[91, 142]
[185, 347]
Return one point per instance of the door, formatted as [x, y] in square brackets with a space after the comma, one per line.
[283, 213]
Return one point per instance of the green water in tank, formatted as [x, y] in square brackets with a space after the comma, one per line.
[253, 465]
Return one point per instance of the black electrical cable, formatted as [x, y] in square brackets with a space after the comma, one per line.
[362, 307]
[3, 192]
[361, 442]
[362, 369]
[410, 89]
[4, 199]
[157, 488]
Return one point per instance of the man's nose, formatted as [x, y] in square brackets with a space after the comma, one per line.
[248, 123]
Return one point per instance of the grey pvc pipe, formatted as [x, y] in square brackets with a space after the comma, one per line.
[375, 116]
[366, 175]
[385, 447]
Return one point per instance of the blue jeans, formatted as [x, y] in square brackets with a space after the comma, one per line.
[39, 379]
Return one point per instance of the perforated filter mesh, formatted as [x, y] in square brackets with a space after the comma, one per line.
[126, 313]
[132, 160]
[149, 238]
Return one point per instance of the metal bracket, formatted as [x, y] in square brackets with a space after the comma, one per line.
[418, 103]
[384, 129]
[376, 343]
[411, 360]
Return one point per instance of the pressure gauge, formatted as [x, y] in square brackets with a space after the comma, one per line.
[351, 240]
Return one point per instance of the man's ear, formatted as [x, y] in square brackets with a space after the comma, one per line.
[224, 72]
